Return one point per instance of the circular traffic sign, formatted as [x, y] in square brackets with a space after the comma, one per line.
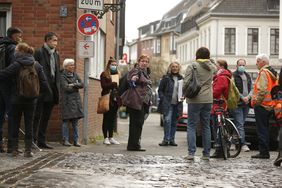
[88, 24]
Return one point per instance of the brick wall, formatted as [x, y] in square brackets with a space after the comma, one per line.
[36, 18]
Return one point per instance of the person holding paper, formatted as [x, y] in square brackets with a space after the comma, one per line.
[109, 83]
[170, 104]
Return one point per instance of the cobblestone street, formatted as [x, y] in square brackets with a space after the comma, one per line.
[97, 165]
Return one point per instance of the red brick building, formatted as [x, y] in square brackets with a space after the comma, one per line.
[37, 17]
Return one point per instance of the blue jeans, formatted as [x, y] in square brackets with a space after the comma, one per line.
[65, 130]
[262, 122]
[240, 115]
[198, 111]
[170, 120]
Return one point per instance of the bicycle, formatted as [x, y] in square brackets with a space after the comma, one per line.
[227, 133]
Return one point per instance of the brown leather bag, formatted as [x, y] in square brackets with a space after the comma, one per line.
[132, 99]
[103, 104]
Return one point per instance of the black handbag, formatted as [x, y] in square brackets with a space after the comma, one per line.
[193, 87]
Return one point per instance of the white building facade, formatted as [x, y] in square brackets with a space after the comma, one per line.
[230, 37]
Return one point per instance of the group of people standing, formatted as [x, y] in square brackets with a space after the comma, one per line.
[215, 79]
[37, 110]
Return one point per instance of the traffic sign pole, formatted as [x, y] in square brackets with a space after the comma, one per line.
[85, 100]
[87, 24]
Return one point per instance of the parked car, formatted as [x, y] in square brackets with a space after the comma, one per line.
[181, 120]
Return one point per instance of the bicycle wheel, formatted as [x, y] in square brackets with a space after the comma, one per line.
[223, 140]
[233, 137]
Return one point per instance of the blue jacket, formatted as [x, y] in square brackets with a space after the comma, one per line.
[165, 94]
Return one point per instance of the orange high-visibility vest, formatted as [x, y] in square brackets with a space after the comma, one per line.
[267, 101]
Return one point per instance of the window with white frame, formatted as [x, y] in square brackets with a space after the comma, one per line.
[252, 41]
[158, 47]
[229, 41]
[5, 18]
[98, 61]
[274, 41]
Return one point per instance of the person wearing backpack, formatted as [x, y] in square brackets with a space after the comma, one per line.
[243, 82]
[7, 57]
[169, 105]
[26, 75]
[220, 91]
[49, 58]
[263, 103]
[199, 107]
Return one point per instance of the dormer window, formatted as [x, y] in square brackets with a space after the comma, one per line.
[273, 5]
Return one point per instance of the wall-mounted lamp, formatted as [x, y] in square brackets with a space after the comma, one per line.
[115, 7]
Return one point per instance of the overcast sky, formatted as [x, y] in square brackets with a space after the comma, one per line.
[142, 12]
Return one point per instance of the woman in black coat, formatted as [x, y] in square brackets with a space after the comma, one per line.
[21, 104]
[170, 105]
[109, 85]
[71, 106]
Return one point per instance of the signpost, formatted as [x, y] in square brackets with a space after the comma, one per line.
[86, 49]
[91, 4]
[87, 24]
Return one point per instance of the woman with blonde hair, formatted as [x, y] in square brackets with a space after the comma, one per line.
[138, 101]
[170, 105]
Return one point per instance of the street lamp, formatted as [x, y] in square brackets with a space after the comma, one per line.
[115, 7]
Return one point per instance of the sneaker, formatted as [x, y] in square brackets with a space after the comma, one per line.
[189, 157]
[66, 143]
[204, 157]
[77, 144]
[245, 148]
[164, 143]
[106, 141]
[172, 143]
[113, 141]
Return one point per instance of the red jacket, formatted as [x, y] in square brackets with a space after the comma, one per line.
[220, 86]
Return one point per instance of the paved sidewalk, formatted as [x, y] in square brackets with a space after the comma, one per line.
[152, 134]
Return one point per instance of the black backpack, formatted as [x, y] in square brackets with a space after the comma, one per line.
[193, 86]
[28, 81]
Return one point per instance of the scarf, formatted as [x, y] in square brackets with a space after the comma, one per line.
[52, 59]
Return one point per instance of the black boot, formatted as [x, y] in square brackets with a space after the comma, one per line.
[1, 148]
[278, 160]
[27, 152]
[10, 146]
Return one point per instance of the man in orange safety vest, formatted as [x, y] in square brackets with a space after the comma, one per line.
[262, 103]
